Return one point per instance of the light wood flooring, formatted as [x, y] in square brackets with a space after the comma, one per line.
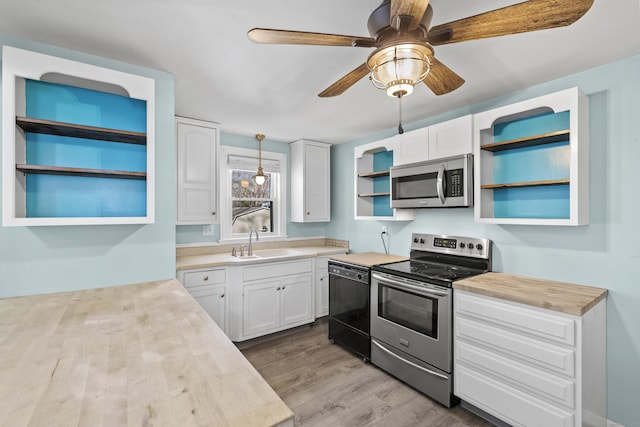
[324, 385]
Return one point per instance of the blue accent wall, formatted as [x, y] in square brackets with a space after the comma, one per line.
[37, 260]
[604, 253]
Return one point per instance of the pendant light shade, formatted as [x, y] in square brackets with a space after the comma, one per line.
[259, 177]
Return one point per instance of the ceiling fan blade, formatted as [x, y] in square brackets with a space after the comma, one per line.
[532, 15]
[441, 79]
[264, 35]
[406, 14]
[345, 82]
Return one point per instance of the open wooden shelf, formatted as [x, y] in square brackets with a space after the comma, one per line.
[51, 127]
[387, 194]
[95, 173]
[525, 184]
[375, 174]
[529, 141]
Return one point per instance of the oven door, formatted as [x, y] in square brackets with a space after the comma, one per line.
[414, 317]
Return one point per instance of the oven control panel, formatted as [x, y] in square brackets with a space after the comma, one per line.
[458, 245]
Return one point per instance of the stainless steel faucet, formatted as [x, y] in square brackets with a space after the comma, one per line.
[253, 230]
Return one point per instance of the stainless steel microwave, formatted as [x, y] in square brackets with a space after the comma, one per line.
[440, 183]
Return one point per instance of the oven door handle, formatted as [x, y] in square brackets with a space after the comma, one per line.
[408, 362]
[440, 184]
[403, 286]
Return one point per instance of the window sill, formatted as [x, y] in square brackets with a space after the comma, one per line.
[245, 239]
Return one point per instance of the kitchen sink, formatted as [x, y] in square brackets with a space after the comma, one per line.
[267, 254]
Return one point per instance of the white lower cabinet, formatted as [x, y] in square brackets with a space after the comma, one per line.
[270, 297]
[530, 366]
[322, 286]
[208, 286]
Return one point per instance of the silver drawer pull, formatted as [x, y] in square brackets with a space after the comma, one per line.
[410, 363]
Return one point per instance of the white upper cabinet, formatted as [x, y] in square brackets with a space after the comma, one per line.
[310, 181]
[451, 138]
[410, 147]
[197, 151]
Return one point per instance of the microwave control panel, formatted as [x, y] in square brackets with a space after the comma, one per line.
[455, 187]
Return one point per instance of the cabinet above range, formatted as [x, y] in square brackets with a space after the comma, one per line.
[373, 161]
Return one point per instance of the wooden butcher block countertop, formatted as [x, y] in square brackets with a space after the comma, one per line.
[558, 296]
[137, 355]
[368, 259]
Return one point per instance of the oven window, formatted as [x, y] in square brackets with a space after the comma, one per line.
[412, 311]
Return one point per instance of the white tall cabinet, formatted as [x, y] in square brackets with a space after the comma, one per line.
[310, 181]
[197, 151]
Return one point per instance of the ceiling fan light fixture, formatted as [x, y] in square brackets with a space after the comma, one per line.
[398, 68]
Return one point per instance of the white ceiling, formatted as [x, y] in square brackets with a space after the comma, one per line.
[248, 88]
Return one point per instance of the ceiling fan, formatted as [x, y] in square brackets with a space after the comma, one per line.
[403, 40]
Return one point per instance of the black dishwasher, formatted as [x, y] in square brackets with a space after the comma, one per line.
[349, 318]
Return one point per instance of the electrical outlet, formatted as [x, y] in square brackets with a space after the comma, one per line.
[207, 230]
[385, 230]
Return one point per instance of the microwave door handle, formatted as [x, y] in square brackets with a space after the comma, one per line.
[440, 184]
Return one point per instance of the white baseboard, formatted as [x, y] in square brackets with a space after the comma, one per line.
[613, 424]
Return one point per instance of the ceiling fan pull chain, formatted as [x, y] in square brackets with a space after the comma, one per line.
[400, 129]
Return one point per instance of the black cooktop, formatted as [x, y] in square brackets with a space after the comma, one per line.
[432, 272]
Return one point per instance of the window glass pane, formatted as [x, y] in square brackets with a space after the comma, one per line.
[244, 186]
[252, 214]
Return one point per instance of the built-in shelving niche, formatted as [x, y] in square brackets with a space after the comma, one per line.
[532, 166]
[80, 155]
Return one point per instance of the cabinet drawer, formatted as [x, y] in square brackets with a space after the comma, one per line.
[548, 386]
[545, 325]
[535, 352]
[206, 277]
[279, 269]
[507, 403]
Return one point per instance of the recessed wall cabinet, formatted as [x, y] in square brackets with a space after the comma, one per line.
[532, 161]
[197, 180]
[208, 287]
[77, 143]
[310, 181]
[530, 366]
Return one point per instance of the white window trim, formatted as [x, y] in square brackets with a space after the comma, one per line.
[280, 211]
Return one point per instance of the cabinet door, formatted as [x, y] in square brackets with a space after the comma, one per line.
[411, 147]
[197, 144]
[296, 301]
[261, 308]
[322, 293]
[451, 138]
[317, 183]
[212, 299]
[310, 181]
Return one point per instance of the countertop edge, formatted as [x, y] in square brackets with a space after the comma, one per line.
[189, 262]
[534, 291]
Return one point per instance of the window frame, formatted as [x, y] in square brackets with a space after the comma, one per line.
[279, 193]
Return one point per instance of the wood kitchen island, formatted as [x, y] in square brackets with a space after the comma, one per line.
[136, 355]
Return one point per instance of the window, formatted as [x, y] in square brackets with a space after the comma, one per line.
[244, 205]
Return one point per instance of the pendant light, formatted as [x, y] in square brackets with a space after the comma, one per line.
[259, 177]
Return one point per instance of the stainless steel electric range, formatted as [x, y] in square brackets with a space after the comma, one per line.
[411, 310]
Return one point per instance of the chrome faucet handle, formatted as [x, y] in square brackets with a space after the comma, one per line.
[233, 252]
[242, 250]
